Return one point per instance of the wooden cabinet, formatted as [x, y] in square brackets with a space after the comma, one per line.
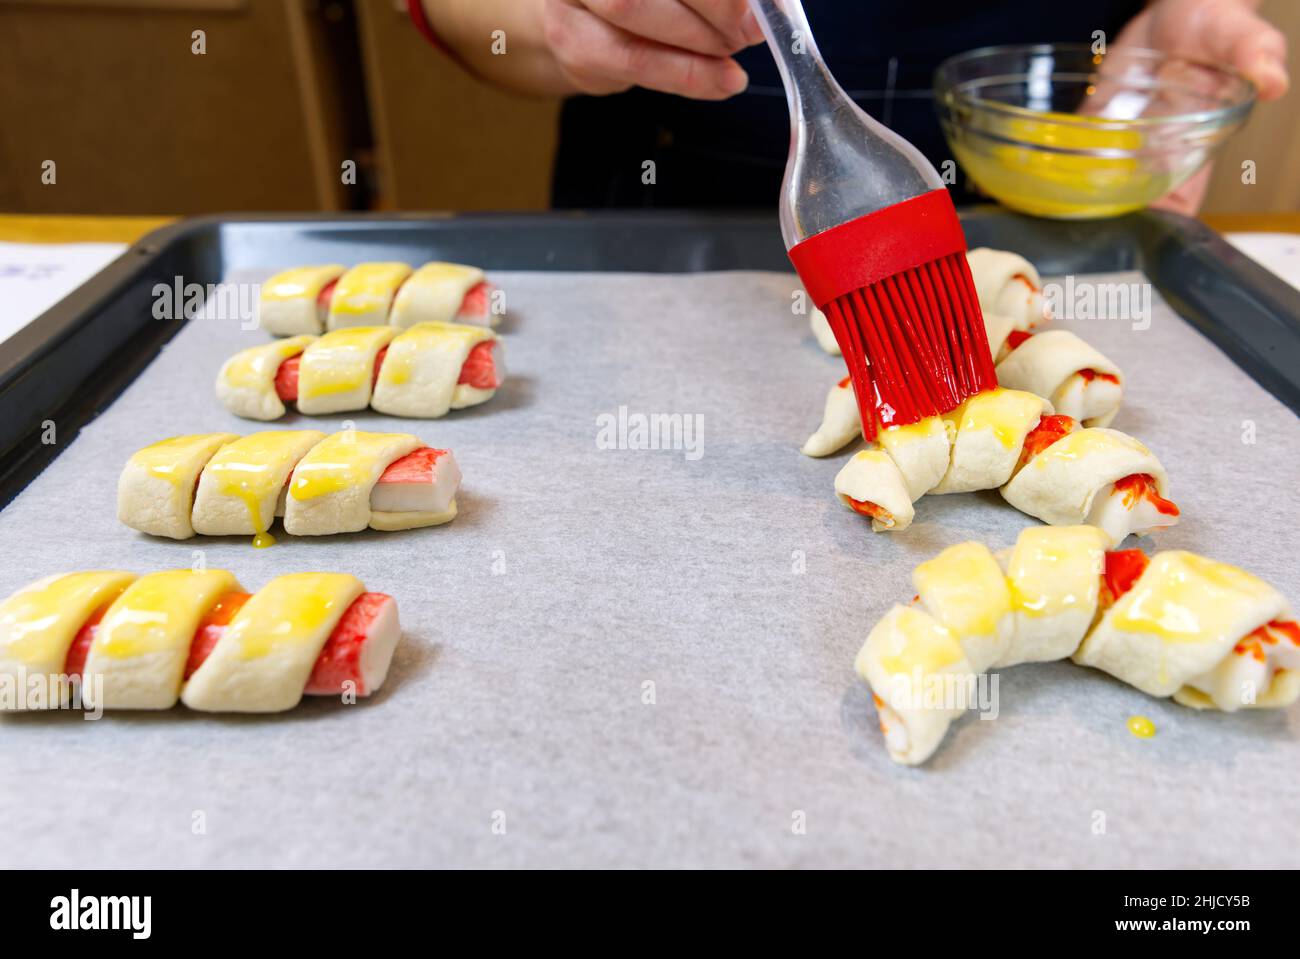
[1271, 140]
[444, 140]
[135, 120]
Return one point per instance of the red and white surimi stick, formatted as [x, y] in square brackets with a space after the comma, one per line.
[193, 636]
[423, 371]
[75, 663]
[314, 299]
[479, 371]
[358, 651]
[223, 484]
[475, 309]
[424, 481]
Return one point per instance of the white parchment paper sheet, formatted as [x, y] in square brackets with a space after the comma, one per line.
[734, 583]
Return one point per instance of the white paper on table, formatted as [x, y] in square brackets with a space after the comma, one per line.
[35, 276]
[1277, 252]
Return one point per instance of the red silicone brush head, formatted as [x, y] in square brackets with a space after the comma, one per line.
[897, 291]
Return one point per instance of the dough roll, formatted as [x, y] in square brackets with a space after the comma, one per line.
[314, 299]
[841, 422]
[420, 372]
[1076, 380]
[1210, 635]
[320, 484]
[1008, 285]
[195, 637]
[1045, 465]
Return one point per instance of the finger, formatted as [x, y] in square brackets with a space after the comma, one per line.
[1187, 198]
[1234, 34]
[733, 19]
[1251, 44]
[593, 52]
[669, 22]
[749, 26]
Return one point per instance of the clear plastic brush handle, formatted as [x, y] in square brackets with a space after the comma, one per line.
[842, 164]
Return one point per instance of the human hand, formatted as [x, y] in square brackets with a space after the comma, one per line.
[674, 46]
[1228, 32]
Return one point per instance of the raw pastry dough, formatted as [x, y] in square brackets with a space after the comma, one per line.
[242, 489]
[444, 293]
[264, 660]
[336, 373]
[822, 332]
[156, 488]
[1210, 635]
[363, 296]
[1076, 379]
[292, 302]
[246, 383]
[1073, 481]
[1007, 284]
[39, 623]
[841, 422]
[313, 299]
[143, 642]
[905, 655]
[320, 484]
[1044, 465]
[1056, 365]
[330, 488]
[872, 485]
[423, 371]
[196, 636]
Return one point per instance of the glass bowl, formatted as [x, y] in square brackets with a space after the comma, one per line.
[1055, 130]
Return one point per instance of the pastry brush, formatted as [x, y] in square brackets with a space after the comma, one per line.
[874, 236]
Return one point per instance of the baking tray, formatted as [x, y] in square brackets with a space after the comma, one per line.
[75, 358]
[635, 657]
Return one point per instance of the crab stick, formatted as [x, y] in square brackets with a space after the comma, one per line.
[479, 371]
[423, 371]
[195, 636]
[222, 485]
[358, 650]
[313, 299]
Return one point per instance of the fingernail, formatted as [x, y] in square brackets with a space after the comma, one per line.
[749, 26]
[1270, 76]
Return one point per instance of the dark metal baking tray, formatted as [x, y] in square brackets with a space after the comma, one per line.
[72, 361]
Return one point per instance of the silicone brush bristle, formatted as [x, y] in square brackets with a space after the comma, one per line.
[898, 293]
[913, 344]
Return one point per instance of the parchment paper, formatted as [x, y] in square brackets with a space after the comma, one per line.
[629, 657]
